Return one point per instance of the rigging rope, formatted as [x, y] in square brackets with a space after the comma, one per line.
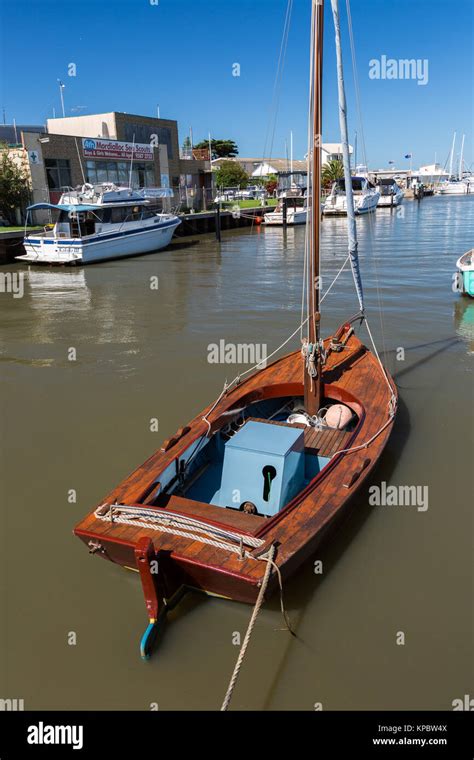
[277, 83]
[364, 156]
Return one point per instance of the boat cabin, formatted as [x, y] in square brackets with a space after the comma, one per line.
[86, 220]
[387, 186]
[98, 209]
[359, 185]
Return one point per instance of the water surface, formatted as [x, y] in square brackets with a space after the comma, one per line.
[142, 354]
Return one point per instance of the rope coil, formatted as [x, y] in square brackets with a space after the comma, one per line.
[180, 525]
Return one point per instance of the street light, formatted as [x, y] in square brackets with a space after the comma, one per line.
[61, 88]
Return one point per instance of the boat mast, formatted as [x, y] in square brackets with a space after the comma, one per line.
[313, 369]
[461, 156]
[452, 157]
[350, 206]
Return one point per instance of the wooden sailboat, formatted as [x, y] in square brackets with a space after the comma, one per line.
[244, 493]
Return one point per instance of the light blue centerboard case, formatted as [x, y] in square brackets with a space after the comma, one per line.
[264, 463]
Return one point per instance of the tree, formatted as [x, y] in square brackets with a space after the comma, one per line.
[331, 172]
[220, 148]
[14, 186]
[271, 184]
[231, 174]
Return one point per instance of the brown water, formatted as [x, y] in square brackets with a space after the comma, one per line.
[141, 354]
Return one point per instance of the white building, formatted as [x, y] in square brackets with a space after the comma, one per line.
[431, 173]
[263, 167]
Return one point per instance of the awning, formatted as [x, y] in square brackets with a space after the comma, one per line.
[62, 207]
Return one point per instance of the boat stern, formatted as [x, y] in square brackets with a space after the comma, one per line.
[50, 251]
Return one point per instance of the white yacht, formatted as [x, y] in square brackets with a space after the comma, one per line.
[366, 197]
[296, 212]
[456, 186]
[391, 194]
[463, 183]
[100, 222]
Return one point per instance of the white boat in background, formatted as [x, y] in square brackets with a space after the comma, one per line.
[366, 197]
[100, 222]
[296, 212]
[456, 187]
[391, 194]
[463, 184]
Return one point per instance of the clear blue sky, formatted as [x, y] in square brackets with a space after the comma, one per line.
[132, 55]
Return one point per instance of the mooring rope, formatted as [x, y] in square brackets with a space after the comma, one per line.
[269, 560]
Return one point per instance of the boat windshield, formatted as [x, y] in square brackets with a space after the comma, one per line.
[358, 184]
[114, 215]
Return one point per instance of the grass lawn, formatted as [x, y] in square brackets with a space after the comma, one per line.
[15, 229]
[250, 203]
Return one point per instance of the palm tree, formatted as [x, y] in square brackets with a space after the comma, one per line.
[331, 172]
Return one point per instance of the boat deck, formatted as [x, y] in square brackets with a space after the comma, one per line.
[352, 376]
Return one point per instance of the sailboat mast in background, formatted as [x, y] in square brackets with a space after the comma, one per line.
[461, 158]
[452, 157]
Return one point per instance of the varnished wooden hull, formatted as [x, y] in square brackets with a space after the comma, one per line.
[353, 377]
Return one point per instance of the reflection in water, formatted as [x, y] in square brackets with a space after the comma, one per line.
[142, 354]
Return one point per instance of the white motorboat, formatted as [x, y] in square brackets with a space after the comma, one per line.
[391, 194]
[366, 197]
[100, 222]
[296, 212]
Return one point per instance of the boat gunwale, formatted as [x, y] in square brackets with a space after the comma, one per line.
[285, 388]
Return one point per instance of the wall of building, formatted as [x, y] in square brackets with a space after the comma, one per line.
[39, 189]
[95, 125]
[143, 129]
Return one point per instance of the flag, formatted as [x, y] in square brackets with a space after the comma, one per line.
[408, 155]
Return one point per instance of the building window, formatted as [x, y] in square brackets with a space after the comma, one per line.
[142, 133]
[123, 172]
[143, 174]
[58, 173]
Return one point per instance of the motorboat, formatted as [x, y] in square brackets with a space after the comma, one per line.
[391, 194]
[100, 222]
[365, 195]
